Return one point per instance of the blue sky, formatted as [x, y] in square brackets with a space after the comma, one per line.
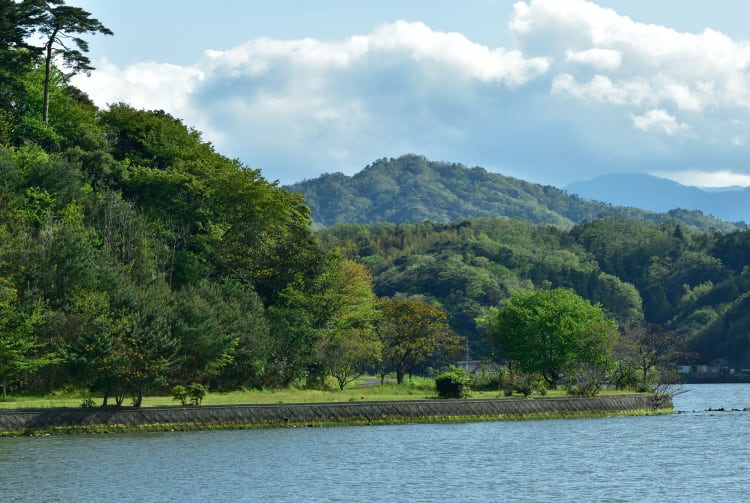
[550, 91]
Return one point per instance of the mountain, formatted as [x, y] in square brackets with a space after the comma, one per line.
[659, 194]
[413, 189]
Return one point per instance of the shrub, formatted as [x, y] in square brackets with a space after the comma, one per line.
[88, 403]
[486, 381]
[586, 381]
[524, 383]
[197, 392]
[180, 394]
[453, 384]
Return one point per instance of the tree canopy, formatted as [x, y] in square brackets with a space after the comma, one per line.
[553, 333]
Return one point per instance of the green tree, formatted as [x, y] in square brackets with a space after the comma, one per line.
[206, 327]
[17, 21]
[348, 342]
[61, 25]
[344, 354]
[19, 350]
[411, 332]
[552, 332]
[94, 357]
[148, 343]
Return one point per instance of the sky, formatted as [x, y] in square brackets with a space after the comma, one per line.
[548, 91]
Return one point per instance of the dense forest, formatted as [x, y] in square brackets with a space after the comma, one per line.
[695, 285]
[134, 257]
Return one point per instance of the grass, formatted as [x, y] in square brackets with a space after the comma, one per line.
[419, 388]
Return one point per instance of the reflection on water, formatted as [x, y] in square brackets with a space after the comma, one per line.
[693, 455]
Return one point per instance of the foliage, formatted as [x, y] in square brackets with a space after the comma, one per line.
[180, 394]
[19, 348]
[60, 26]
[453, 384]
[197, 392]
[412, 189]
[193, 393]
[411, 333]
[554, 332]
[88, 403]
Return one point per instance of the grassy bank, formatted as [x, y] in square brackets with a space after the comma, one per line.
[364, 390]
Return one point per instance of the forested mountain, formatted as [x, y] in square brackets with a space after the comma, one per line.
[412, 189]
[658, 194]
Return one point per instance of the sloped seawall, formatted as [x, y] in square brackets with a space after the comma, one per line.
[319, 414]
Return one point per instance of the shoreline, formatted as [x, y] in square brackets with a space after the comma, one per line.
[18, 422]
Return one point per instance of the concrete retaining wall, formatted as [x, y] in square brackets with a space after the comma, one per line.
[119, 418]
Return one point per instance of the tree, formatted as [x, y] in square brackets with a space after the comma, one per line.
[94, 357]
[148, 343]
[206, 326]
[552, 332]
[348, 340]
[650, 347]
[59, 24]
[410, 332]
[18, 346]
[345, 353]
[17, 21]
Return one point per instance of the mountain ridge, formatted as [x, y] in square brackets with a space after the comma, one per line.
[658, 194]
[413, 189]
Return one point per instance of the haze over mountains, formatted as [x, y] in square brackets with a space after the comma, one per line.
[659, 194]
[413, 189]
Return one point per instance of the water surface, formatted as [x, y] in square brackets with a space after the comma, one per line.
[692, 455]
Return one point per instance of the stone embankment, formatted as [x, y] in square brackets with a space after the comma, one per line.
[15, 422]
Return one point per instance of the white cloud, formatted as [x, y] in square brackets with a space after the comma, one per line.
[149, 84]
[602, 59]
[685, 70]
[602, 89]
[403, 84]
[708, 179]
[581, 88]
[658, 120]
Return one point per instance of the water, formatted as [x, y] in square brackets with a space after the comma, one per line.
[693, 455]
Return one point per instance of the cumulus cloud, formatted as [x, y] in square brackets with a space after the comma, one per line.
[658, 120]
[581, 87]
[685, 70]
[602, 59]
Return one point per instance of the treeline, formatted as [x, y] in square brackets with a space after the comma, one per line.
[692, 284]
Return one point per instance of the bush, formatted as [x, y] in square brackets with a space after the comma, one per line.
[585, 382]
[197, 392]
[180, 394]
[453, 384]
[486, 381]
[193, 393]
[88, 403]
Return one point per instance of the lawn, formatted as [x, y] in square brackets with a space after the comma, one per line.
[368, 389]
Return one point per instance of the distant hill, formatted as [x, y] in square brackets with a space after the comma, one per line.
[659, 194]
[414, 189]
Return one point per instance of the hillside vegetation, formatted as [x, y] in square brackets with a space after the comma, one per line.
[691, 286]
[412, 189]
